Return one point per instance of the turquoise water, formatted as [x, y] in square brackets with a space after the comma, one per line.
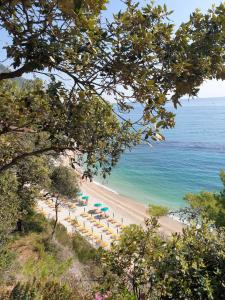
[188, 161]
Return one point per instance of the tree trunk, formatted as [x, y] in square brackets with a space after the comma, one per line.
[56, 218]
[19, 225]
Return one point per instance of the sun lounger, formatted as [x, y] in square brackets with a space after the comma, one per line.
[95, 236]
[103, 244]
[111, 231]
[115, 237]
[84, 214]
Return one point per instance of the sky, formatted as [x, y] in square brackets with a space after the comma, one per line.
[181, 13]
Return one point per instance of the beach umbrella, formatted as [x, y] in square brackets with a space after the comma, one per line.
[79, 194]
[85, 197]
[104, 209]
[97, 204]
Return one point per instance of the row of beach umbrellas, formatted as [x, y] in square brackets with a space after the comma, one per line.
[104, 209]
[98, 205]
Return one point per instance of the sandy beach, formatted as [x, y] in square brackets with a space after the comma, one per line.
[122, 208]
[122, 211]
[126, 210]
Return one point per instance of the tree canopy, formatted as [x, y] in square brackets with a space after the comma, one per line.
[211, 205]
[64, 182]
[19, 188]
[190, 265]
[138, 57]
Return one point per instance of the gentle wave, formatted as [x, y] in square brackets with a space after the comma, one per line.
[105, 187]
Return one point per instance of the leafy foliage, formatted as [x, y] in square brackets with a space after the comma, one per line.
[6, 259]
[211, 205]
[130, 263]
[36, 290]
[35, 121]
[138, 57]
[193, 265]
[9, 203]
[33, 255]
[64, 181]
[157, 210]
[186, 266]
[83, 250]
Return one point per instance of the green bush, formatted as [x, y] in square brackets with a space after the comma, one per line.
[36, 290]
[36, 222]
[83, 250]
[6, 259]
[157, 210]
[62, 236]
[47, 266]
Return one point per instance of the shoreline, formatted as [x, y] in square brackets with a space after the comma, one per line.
[123, 208]
[126, 209]
[105, 187]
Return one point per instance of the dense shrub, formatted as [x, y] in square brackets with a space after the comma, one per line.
[36, 290]
[157, 210]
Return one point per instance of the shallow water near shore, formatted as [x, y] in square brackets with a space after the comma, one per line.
[188, 161]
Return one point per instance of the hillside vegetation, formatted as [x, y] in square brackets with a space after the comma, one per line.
[33, 266]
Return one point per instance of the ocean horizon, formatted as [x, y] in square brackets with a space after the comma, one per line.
[188, 161]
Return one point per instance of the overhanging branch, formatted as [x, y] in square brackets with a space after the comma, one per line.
[33, 153]
[29, 67]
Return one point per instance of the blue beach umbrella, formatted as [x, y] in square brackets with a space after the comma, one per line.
[97, 204]
[104, 209]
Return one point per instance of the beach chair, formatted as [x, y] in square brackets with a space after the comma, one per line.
[113, 221]
[83, 230]
[84, 214]
[103, 244]
[70, 220]
[100, 225]
[98, 242]
[115, 237]
[95, 236]
[111, 231]
[88, 233]
[75, 224]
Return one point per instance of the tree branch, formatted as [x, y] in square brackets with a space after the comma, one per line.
[29, 67]
[35, 152]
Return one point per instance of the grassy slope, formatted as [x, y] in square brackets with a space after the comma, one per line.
[66, 259]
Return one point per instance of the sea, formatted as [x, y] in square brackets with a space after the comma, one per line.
[188, 161]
